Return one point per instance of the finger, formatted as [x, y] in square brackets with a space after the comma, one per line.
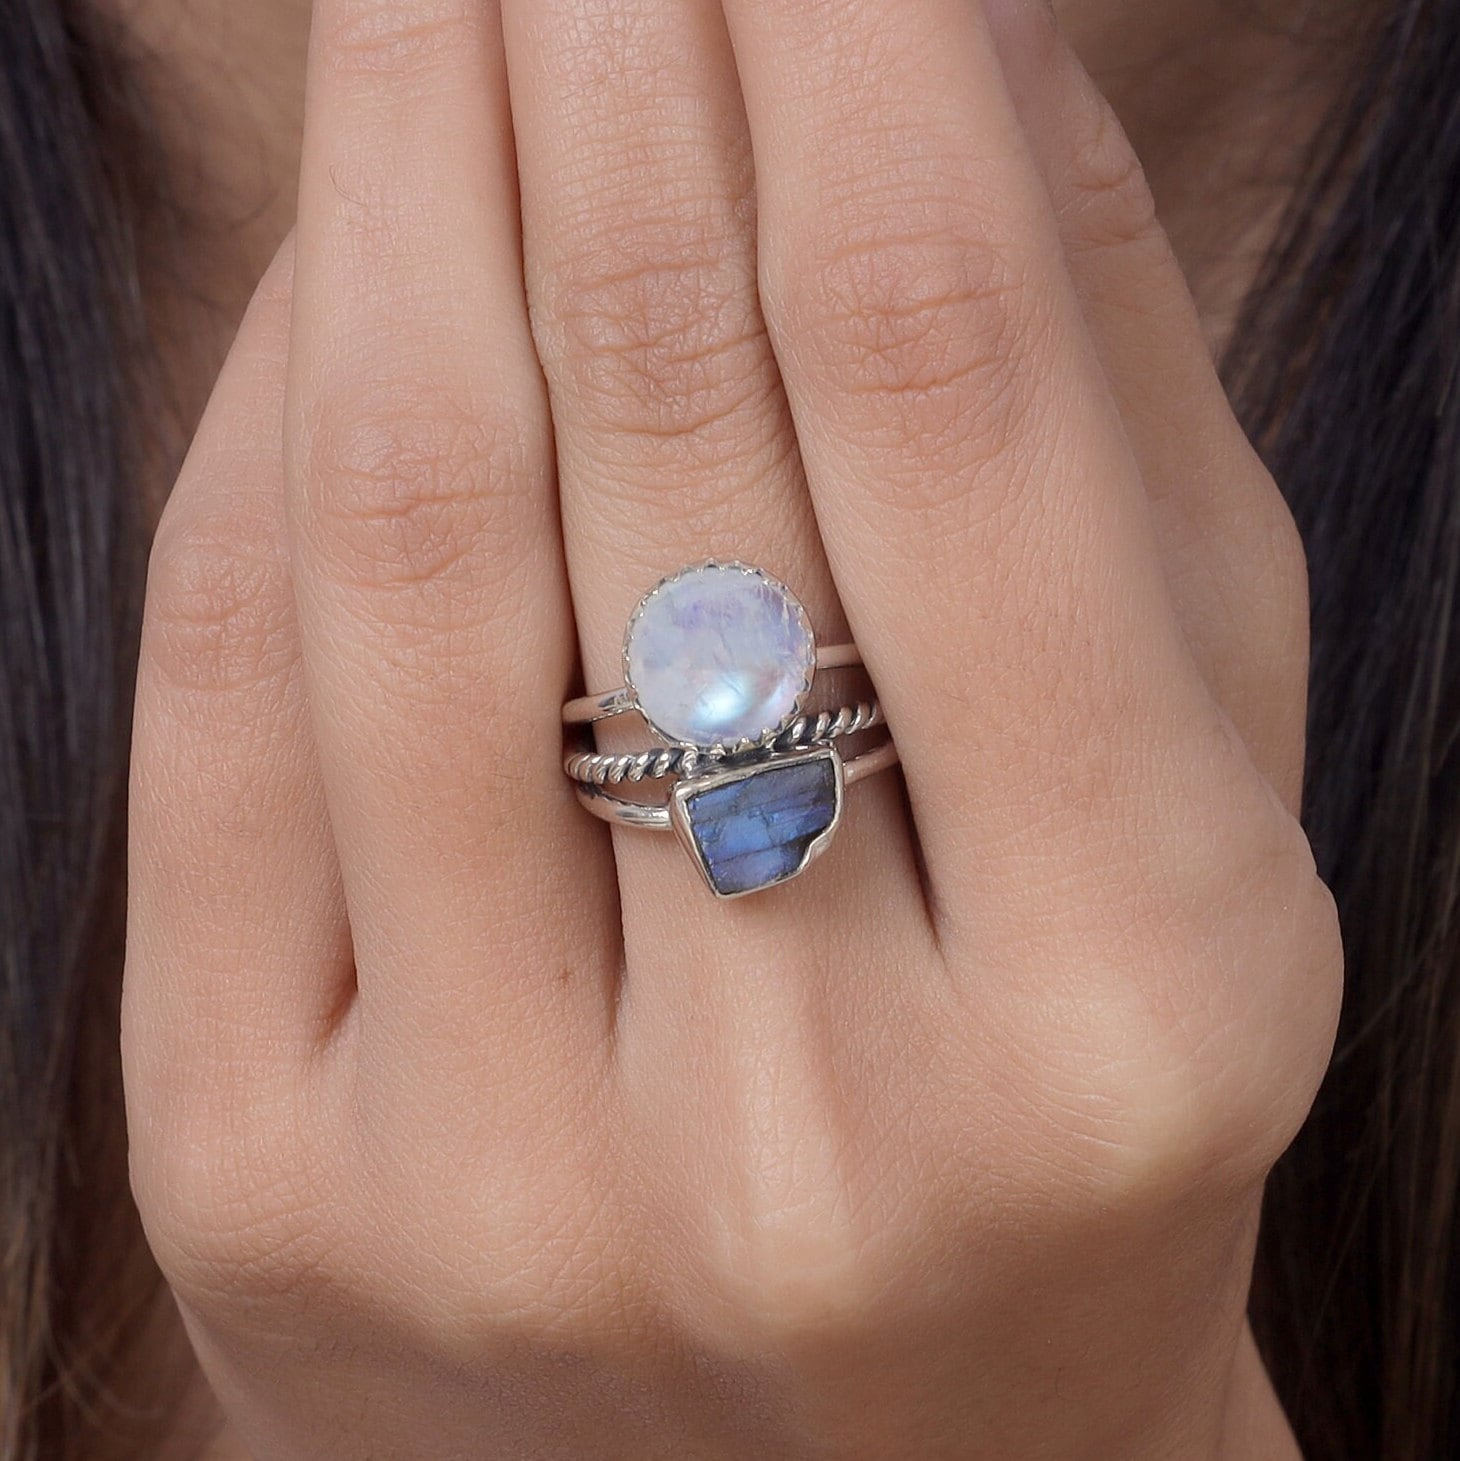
[1229, 546]
[674, 440]
[983, 512]
[238, 956]
[426, 550]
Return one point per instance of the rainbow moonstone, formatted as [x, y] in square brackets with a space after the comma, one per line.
[718, 654]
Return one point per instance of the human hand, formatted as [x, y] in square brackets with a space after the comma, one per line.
[462, 1127]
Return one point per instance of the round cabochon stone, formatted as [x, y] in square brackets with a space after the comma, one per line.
[718, 654]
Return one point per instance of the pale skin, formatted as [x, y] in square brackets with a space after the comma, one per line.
[462, 1127]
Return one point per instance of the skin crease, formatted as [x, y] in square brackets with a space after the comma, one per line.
[1182, 75]
[1209, 99]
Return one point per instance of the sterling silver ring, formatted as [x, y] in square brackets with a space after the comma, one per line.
[719, 660]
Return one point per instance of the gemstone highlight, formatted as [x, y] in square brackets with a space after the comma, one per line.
[753, 829]
[719, 654]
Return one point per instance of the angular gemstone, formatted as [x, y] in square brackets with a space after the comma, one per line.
[719, 654]
[753, 829]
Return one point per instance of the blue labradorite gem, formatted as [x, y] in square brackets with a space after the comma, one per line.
[719, 654]
[757, 826]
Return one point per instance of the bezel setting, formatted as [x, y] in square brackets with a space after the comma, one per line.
[690, 789]
[723, 748]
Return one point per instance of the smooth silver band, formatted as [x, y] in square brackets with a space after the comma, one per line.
[587, 709]
[654, 817]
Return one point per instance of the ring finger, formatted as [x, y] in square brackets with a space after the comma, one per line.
[426, 559]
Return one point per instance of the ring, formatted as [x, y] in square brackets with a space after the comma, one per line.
[719, 660]
[604, 769]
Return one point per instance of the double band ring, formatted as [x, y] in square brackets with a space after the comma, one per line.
[720, 661]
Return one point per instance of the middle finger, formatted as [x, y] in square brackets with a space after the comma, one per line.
[674, 440]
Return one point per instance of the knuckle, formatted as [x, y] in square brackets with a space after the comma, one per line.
[1237, 1042]
[1109, 203]
[407, 488]
[1188, 1020]
[375, 40]
[1281, 558]
[806, 1247]
[1270, 569]
[1289, 945]
[220, 613]
[234, 1225]
[923, 338]
[797, 1284]
[660, 335]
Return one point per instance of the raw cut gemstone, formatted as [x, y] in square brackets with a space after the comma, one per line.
[758, 830]
[719, 654]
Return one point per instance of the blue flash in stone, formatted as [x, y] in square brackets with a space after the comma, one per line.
[759, 825]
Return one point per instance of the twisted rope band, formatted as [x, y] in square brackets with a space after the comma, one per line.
[598, 768]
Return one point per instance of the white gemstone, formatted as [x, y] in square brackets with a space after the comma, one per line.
[719, 654]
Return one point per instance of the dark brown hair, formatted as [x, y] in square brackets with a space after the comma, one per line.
[1345, 370]
[76, 1287]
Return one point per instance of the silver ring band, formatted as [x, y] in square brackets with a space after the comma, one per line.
[603, 768]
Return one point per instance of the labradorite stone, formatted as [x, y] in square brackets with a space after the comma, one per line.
[756, 832]
[718, 655]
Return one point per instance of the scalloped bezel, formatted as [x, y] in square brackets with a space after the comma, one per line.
[808, 669]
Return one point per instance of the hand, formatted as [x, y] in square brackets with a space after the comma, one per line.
[463, 1127]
